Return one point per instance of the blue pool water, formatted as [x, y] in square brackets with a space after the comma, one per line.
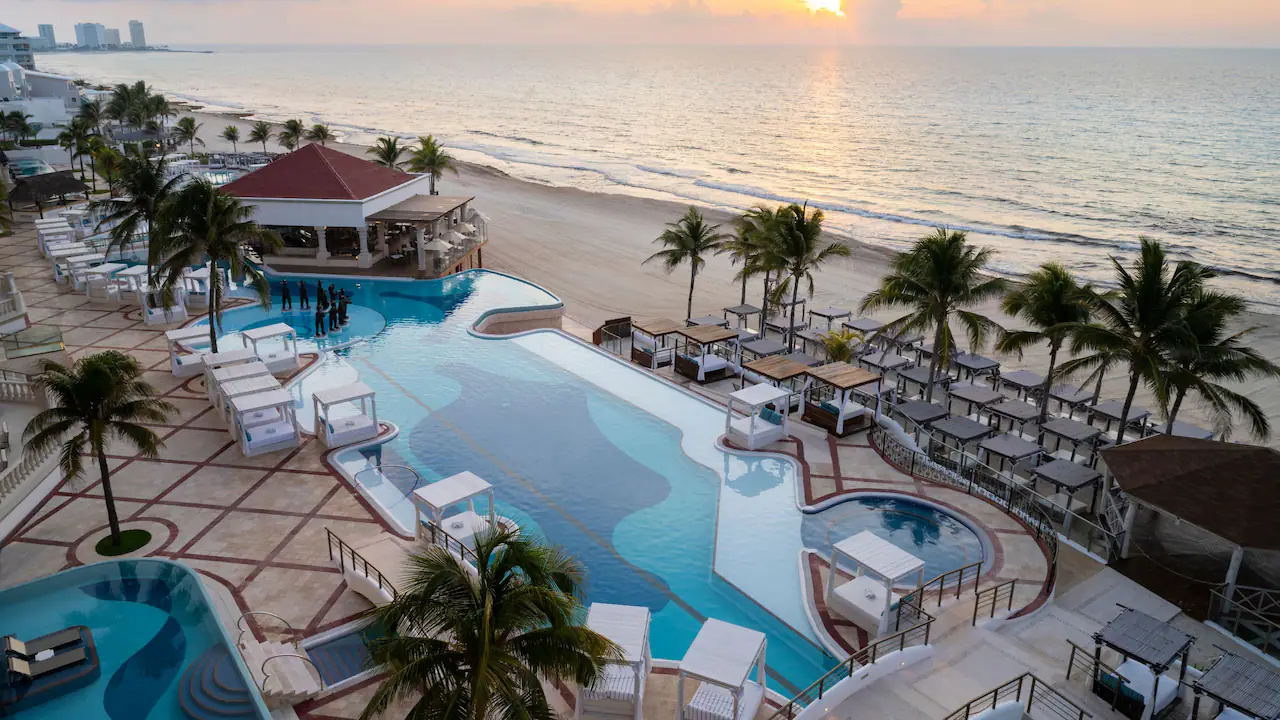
[151, 622]
[616, 466]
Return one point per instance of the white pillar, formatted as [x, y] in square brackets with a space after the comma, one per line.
[1130, 515]
[382, 235]
[1233, 570]
[888, 603]
[365, 259]
[322, 251]
[422, 248]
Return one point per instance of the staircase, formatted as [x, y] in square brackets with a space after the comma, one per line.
[289, 677]
[213, 688]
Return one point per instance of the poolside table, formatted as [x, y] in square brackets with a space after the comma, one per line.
[1181, 429]
[975, 365]
[1069, 477]
[884, 361]
[962, 429]
[1110, 410]
[803, 359]
[863, 325]
[763, 347]
[1073, 431]
[1009, 447]
[1070, 396]
[829, 314]
[708, 321]
[971, 395]
[921, 412]
[1023, 381]
[1016, 412]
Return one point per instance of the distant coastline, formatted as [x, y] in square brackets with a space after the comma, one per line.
[122, 51]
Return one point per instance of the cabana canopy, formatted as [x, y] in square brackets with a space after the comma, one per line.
[349, 428]
[1181, 429]
[232, 373]
[962, 429]
[273, 427]
[278, 359]
[975, 395]
[1009, 447]
[868, 597]
[1067, 475]
[185, 365]
[742, 311]
[761, 425]
[1070, 394]
[438, 497]
[778, 368]
[36, 189]
[885, 361]
[1110, 410]
[707, 366]
[921, 412]
[1015, 411]
[620, 686]
[975, 364]
[707, 334]
[1243, 684]
[1021, 379]
[707, 320]
[863, 325]
[722, 656]
[1137, 635]
[764, 347]
[836, 380]
[879, 556]
[920, 376]
[803, 359]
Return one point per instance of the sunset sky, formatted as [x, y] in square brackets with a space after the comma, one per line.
[896, 22]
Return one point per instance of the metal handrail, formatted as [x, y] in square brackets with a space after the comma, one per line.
[941, 580]
[441, 537]
[247, 613]
[1094, 667]
[1051, 700]
[860, 658]
[1233, 613]
[417, 479]
[991, 596]
[309, 661]
[344, 549]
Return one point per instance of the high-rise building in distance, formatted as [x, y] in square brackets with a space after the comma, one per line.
[136, 35]
[91, 35]
[46, 34]
[111, 38]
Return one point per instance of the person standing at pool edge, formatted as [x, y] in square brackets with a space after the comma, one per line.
[286, 302]
[302, 296]
[334, 303]
[320, 293]
[320, 316]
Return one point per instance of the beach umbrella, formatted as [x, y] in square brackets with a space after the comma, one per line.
[466, 227]
[438, 245]
[455, 237]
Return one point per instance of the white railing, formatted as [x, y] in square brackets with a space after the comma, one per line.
[19, 391]
[17, 475]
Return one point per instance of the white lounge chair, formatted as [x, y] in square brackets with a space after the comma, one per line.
[1141, 680]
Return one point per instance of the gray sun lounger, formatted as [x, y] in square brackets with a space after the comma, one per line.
[52, 641]
[44, 667]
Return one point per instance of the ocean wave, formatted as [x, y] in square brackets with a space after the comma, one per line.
[684, 174]
[513, 138]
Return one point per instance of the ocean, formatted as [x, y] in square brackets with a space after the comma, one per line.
[1062, 154]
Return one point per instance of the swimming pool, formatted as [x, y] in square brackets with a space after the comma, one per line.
[26, 167]
[618, 467]
[160, 645]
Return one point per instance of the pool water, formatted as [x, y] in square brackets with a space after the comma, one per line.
[152, 624]
[619, 468]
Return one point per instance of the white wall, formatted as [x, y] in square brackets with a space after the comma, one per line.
[862, 678]
[331, 213]
[48, 111]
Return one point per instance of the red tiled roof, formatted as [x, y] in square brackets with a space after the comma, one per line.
[315, 172]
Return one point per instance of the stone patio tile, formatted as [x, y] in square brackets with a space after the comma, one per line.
[194, 445]
[350, 604]
[294, 492]
[42, 314]
[157, 341]
[821, 486]
[207, 418]
[251, 536]
[345, 504]
[1022, 556]
[134, 338]
[189, 409]
[161, 382]
[77, 518]
[233, 456]
[298, 596]
[85, 335]
[234, 573]
[77, 318]
[866, 463]
[190, 521]
[311, 546]
[216, 486]
[116, 320]
[147, 479]
[21, 271]
[22, 562]
[310, 457]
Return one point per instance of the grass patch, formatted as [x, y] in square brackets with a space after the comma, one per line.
[130, 540]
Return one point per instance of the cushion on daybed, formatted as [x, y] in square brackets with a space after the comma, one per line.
[616, 682]
[268, 434]
[1141, 680]
[714, 702]
[261, 417]
[341, 426]
[771, 415]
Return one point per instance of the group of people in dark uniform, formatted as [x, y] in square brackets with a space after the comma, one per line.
[331, 305]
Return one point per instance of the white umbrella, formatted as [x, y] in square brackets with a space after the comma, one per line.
[455, 237]
[438, 245]
[466, 227]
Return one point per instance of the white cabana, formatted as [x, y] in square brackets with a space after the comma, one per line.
[867, 599]
[100, 278]
[182, 364]
[721, 657]
[619, 690]
[233, 389]
[76, 265]
[195, 284]
[225, 358]
[762, 424]
[131, 284]
[270, 434]
[231, 373]
[434, 501]
[281, 359]
[336, 430]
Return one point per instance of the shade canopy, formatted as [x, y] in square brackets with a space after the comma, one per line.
[1009, 446]
[863, 325]
[1138, 635]
[1181, 429]
[976, 394]
[269, 331]
[39, 188]
[723, 653]
[1111, 409]
[1070, 394]
[1022, 379]
[1243, 683]
[343, 393]
[196, 332]
[975, 364]
[804, 359]
[453, 490]
[842, 376]
[708, 320]
[756, 396]
[135, 271]
[743, 310]
[1073, 430]
[657, 327]
[962, 429]
[831, 313]
[1069, 476]
[920, 375]
[707, 334]
[922, 412]
[626, 625]
[879, 556]
[885, 361]
[421, 209]
[1015, 410]
[777, 367]
[764, 347]
[260, 401]
[1186, 478]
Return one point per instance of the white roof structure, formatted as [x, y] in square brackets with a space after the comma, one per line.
[134, 271]
[349, 393]
[260, 401]
[196, 332]
[230, 357]
[453, 490]
[269, 331]
[880, 556]
[723, 653]
[88, 258]
[197, 274]
[759, 395]
[107, 269]
[626, 625]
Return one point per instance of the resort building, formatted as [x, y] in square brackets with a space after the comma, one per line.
[47, 37]
[336, 211]
[90, 35]
[15, 48]
[137, 37]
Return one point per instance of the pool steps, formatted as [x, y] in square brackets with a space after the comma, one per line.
[290, 675]
[213, 689]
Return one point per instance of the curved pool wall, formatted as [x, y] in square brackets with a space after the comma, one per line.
[150, 619]
[618, 466]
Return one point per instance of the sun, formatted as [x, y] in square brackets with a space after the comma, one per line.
[831, 6]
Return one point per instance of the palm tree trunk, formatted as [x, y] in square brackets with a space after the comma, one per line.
[264, 147]
[933, 361]
[234, 149]
[431, 183]
[1054, 346]
[744, 288]
[1097, 388]
[1128, 404]
[791, 328]
[215, 301]
[93, 172]
[764, 301]
[693, 275]
[1173, 412]
[107, 496]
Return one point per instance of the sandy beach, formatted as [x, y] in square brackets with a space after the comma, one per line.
[588, 248]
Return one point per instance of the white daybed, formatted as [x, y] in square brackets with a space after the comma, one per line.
[186, 365]
[868, 598]
[78, 264]
[762, 424]
[195, 285]
[708, 353]
[225, 358]
[722, 656]
[270, 436]
[231, 373]
[830, 403]
[281, 359]
[233, 389]
[434, 501]
[619, 691]
[344, 429]
[1141, 680]
[100, 278]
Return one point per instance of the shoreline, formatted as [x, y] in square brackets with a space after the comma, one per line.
[588, 248]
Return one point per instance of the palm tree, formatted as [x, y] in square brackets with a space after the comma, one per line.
[1141, 322]
[687, 240]
[291, 134]
[120, 104]
[940, 276]
[92, 150]
[319, 133]
[75, 140]
[145, 192]
[1216, 355]
[761, 221]
[430, 157]
[1053, 303]
[478, 642]
[109, 162]
[93, 112]
[19, 124]
[387, 151]
[261, 133]
[231, 134]
[205, 224]
[100, 398]
[158, 107]
[743, 249]
[795, 247]
[188, 131]
[841, 344]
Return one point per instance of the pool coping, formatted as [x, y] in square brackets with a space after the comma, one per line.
[232, 648]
